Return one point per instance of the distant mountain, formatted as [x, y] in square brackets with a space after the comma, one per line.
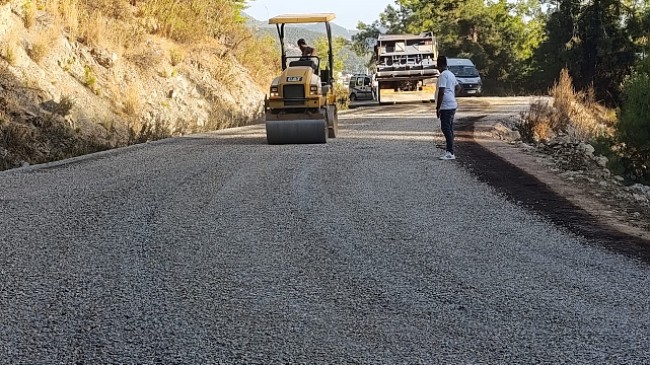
[291, 35]
[337, 30]
[254, 23]
[292, 32]
[310, 33]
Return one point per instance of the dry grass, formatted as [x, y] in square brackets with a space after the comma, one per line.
[575, 113]
[145, 57]
[42, 139]
[124, 36]
[40, 46]
[116, 9]
[131, 102]
[95, 29]
[536, 122]
[111, 34]
[10, 54]
[67, 13]
[64, 106]
[106, 24]
[122, 27]
[342, 96]
[141, 132]
[29, 13]
[222, 70]
[15, 139]
[177, 55]
[190, 20]
[167, 72]
[215, 59]
[10, 49]
[259, 55]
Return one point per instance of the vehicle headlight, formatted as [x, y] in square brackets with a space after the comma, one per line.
[274, 91]
[313, 90]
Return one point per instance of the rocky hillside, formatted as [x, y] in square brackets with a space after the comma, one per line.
[69, 87]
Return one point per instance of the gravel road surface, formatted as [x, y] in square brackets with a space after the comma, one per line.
[220, 249]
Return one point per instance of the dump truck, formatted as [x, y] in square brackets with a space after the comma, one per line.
[406, 67]
[301, 106]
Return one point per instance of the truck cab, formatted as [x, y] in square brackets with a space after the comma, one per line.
[467, 75]
[360, 88]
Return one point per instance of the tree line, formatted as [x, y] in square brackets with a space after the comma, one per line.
[521, 46]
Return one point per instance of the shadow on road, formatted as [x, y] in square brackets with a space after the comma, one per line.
[535, 195]
[362, 104]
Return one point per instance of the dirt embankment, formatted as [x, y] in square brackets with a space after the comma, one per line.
[63, 95]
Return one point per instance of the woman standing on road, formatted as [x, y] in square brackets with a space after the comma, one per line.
[446, 105]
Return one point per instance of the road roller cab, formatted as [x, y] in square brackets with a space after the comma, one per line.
[301, 107]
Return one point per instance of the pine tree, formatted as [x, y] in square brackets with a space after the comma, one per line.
[589, 39]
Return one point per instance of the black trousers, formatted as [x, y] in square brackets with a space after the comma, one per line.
[447, 126]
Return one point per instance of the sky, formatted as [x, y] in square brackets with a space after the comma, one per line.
[348, 12]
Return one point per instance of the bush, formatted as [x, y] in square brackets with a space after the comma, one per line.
[132, 103]
[142, 132]
[9, 54]
[44, 139]
[177, 55]
[633, 129]
[575, 113]
[260, 56]
[40, 47]
[342, 96]
[536, 122]
[29, 10]
[579, 114]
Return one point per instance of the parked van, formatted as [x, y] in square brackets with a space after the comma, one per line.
[467, 75]
[360, 87]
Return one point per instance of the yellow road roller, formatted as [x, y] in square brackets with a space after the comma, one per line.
[301, 106]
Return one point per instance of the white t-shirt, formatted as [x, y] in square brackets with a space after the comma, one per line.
[448, 81]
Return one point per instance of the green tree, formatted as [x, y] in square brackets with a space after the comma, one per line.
[391, 21]
[500, 37]
[364, 40]
[633, 129]
[338, 45]
[638, 21]
[593, 41]
[639, 26]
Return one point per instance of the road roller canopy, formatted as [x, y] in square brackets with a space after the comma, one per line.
[281, 20]
[302, 18]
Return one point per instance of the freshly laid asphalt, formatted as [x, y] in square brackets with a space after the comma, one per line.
[221, 249]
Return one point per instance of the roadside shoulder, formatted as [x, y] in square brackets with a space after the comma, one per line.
[604, 200]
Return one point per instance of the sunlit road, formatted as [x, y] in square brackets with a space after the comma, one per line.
[221, 249]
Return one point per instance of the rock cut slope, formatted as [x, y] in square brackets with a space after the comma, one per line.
[64, 93]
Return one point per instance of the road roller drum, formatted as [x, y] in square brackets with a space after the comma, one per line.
[296, 131]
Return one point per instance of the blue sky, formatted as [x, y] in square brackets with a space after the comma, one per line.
[348, 12]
